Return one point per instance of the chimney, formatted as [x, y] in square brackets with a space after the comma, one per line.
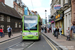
[2, 1]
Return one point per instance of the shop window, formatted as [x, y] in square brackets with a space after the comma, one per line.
[8, 19]
[1, 17]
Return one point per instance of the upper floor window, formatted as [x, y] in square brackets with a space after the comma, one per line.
[59, 1]
[1, 17]
[15, 0]
[63, 2]
[8, 19]
[15, 6]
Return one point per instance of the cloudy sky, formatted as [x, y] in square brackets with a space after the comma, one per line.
[38, 5]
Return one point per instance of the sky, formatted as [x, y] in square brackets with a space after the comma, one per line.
[39, 5]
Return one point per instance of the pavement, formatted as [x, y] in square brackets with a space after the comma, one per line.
[61, 41]
[6, 38]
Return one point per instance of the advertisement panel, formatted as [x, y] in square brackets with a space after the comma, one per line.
[57, 7]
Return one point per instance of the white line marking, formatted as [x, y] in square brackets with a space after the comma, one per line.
[31, 45]
[14, 45]
[9, 40]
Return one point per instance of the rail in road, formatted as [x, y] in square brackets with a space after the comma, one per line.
[18, 44]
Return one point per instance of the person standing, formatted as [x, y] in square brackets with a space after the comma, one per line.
[9, 31]
[57, 32]
[73, 29]
[45, 29]
[1, 32]
[68, 34]
[54, 31]
[60, 31]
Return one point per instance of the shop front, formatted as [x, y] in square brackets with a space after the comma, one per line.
[52, 25]
[59, 22]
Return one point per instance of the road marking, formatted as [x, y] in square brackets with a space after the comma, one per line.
[31, 45]
[48, 43]
[9, 40]
[52, 46]
[13, 45]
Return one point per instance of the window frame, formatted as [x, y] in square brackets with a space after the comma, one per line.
[16, 24]
[2, 17]
[8, 19]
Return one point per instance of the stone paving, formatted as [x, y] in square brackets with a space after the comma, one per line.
[62, 41]
[12, 36]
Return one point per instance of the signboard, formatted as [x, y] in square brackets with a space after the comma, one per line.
[57, 7]
[57, 16]
[25, 11]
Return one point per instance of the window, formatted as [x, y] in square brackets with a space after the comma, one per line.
[19, 26]
[1, 17]
[15, 0]
[15, 7]
[63, 2]
[15, 24]
[8, 19]
[59, 1]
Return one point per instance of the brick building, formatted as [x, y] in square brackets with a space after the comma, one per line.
[18, 5]
[9, 17]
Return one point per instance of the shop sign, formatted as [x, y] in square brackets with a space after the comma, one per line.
[57, 16]
[57, 7]
[49, 22]
[57, 19]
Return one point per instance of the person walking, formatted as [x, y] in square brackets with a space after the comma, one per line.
[9, 31]
[68, 34]
[57, 32]
[73, 30]
[60, 30]
[45, 29]
[42, 29]
[1, 32]
[54, 31]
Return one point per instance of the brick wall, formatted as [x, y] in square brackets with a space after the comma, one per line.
[2, 1]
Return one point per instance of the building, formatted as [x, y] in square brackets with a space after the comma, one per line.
[9, 17]
[18, 5]
[63, 15]
[73, 10]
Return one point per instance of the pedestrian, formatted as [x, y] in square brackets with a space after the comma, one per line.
[68, 34]
[9, 31]
[60, 30]
[42, 29]
[48, 30]
[45, 29]
[1, 32]
[57, 32]
[54, 31]
[73, 30]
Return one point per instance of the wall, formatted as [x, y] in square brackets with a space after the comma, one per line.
[11, 23]
[67, 19]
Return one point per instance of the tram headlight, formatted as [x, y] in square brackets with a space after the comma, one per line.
[36, 34]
